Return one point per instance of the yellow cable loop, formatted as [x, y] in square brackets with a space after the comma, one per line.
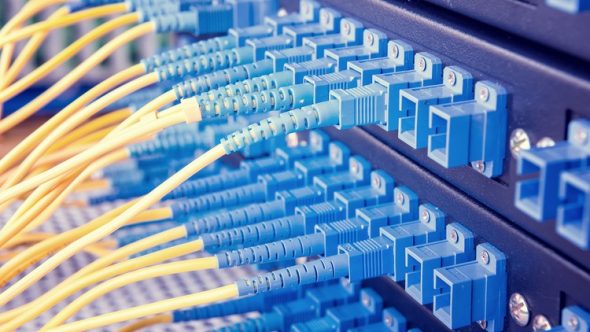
[100, 270]
[31, 141]
[64, 168]
[66, 54]
[147, 322]
[75, 75]
[189, 265]
[203, 298]
[140, 205]
[75, 120]
[61, 22]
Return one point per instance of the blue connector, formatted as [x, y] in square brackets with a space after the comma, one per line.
[309, 11]
[343, 318]
[392, 321]
[427, 71]
[403, 209]
[400, 57]
[471, 131]
[422, 260]
[428, 228]
[538, 196]
[351, 33]
[570, 6]
[573, 319]
[415, 103]
[473, 291]
[329, 23]
[573, 215]
[374, 46]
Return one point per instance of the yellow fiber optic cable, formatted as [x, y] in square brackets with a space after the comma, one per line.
[72, 285]
[189, 265]
[154, 105]
[75, 120]
[64, 168]
[140, 205]
[23, 148]
[147, 322]
[215, 295]
[101, 122]
[73, 76]
[66, 54]
[31, 9]
[64, 21]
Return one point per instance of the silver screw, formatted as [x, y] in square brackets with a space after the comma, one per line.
[541, 323]
[580, 136]
[454, 236]
[388, 321]
[485, 257]
[366, 301]
[399, 198]
[377, 181]
[480, 166]
[370, 38]
[335, 154]
[545, 142]
[394, 50]
[354, 167]
[346, 27]
[325, 18]
[451, 78]
[519, 140]
[484, 94]
[422, 64]
[483, 324]
[307, 9]
[573, 323]
[425, 216]
[519, 309]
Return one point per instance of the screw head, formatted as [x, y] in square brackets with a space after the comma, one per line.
[370, 39]
[519, 140]
[399, 198]
[425, 216]
[306, 8]
[541, 323]
[451, 78]
[480, 166]
[366, 301]
[354, 166]
[545, 142]
[454, 236]
[388, 321]
[485, 257]
[573, 323]
[377, 181]
[580, 136]
[335, 154]
[394, 50]
[346, 27]
[519, 309]
[422, 64]
[484, 93]
[325, 18]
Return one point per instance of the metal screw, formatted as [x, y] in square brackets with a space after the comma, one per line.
[580, 136]
[370, 39]
[366, 301]
[485, 257]
[354, 167]
[519, 309]
[307, 9]
[483, 324]
[394, 50]
[388, 321]
[425, 216]
[422, 64]
[346, 27]
[573, 323]
[541, 323]
[480, 166]
[454, 236]
[451, 78]
[313, 141]
[519, 140]
[377, 181]
[335, 154]
[399, 198]
[325, 18]
[484, 94]
[545, 142]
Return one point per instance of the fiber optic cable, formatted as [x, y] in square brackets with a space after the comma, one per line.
[147, 322]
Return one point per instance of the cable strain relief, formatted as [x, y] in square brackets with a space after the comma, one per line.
[177, 22]
[191, 109]
[324, 269]
[249, 325]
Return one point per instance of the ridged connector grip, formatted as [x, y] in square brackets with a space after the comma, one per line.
[172, 144]
[259, 233]
[235, 218]
[211, 183]
[360, 106]
[307, 118]
[176, 22]
[328, 268]
[300, 246]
